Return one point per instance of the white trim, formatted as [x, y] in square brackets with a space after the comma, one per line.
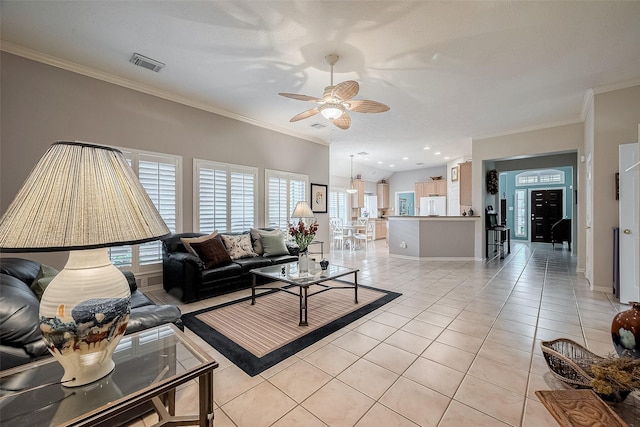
[24, 52]
[586, 104]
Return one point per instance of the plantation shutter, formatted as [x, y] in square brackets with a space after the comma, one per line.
[284, 190]
[225, 199]
[159, 180]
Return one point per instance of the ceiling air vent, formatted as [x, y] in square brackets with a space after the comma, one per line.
[363, 153]
[148, 63]
[318, 126]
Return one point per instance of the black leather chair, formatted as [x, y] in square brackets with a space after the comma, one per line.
[20, 338]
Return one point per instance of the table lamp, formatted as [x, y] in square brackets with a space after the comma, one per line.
[82, 198]
[302, 210]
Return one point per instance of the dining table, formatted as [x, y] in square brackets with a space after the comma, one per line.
[351, 230]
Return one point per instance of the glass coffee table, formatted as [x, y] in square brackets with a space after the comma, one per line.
[150, 364]
[289, 277]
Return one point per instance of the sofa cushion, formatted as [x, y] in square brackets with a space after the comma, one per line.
[18, 313]
[23, 269]
[239, 246]
[273, 243]
[187, 241]
[42, 280]
[227, 271]
[248, 264]
[212, 252]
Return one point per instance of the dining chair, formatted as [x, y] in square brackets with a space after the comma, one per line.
[337, 232]
[366, 235]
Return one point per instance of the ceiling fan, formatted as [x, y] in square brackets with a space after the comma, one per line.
[337, 100]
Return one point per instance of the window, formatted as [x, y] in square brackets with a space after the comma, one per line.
[338, 205]
[548, 176]
[283, 191]
[225, 196]
[159, 175]
[521, 213]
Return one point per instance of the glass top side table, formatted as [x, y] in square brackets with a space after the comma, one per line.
[150, 364]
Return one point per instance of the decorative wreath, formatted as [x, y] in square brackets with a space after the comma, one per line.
[492, 181]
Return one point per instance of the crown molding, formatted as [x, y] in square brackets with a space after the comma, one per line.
[73, 67]
[616, 86]
[528, 129]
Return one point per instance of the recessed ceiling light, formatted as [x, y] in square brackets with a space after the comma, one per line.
[447, 157]
[405, 158]
[437, 153]
[392, 165]
[427, 148]
[379, 162]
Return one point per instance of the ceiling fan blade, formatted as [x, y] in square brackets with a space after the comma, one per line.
[346, 90]
[305, 114]
[300, 97]
[366, 106]
[343, 122]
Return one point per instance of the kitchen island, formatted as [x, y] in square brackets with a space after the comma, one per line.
[434, 237]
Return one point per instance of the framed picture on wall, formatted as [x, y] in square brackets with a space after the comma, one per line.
[454, 173]
[319, 198]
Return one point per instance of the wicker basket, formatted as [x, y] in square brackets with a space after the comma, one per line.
[570, 362]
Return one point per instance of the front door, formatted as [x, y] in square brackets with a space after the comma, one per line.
[546, 209]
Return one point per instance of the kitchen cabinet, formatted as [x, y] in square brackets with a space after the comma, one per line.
[383, 195]
[430, 188]
[464, 176]
[381, 229]
[357, 199]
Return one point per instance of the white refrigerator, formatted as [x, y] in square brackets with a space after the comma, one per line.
[433, 206]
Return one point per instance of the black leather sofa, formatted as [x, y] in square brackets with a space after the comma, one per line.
[20, 338]
[185, 277]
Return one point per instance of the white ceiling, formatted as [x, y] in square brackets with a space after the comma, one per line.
[450, 71]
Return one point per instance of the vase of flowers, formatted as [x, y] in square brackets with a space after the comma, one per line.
[303, 234]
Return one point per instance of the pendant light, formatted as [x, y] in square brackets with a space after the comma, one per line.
[352, 189]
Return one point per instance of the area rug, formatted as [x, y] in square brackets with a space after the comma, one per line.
[256, 337]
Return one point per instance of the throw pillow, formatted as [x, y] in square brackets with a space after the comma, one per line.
[187, 241]
[238, 245]
[273, 243]
[212, 252]
[257, 242]
[43, 278]
[256, 236]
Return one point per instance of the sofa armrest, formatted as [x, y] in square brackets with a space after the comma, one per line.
[187, 258]
[150, 316]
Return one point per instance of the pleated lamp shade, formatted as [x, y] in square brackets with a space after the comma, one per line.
[302, 210]
[80, 196]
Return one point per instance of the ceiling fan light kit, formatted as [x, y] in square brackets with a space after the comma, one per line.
[336, 101]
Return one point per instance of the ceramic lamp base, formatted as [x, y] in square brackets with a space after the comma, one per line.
[83, 314]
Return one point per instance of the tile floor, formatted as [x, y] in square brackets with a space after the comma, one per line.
[460, 347]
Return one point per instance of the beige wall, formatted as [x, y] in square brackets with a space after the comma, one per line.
[554, 140]
[616, 118]
[42, 104]
[611, 119]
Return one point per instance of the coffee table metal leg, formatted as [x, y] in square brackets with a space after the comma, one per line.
[253, 290]
[303, 306]
[355, 274]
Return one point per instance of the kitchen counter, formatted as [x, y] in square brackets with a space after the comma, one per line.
[433, 237]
